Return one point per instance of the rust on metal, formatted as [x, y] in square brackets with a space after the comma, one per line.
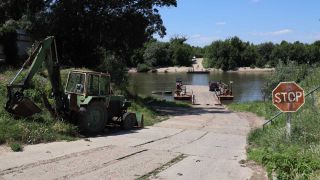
[288, 97]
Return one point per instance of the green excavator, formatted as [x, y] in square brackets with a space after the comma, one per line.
[86, 100]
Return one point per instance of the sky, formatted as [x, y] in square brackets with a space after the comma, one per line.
[256, 21]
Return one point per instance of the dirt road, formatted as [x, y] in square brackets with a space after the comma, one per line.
[203, 142]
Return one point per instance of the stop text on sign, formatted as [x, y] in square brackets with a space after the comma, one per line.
[287, 97]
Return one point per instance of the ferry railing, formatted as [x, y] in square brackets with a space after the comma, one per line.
[311, 93]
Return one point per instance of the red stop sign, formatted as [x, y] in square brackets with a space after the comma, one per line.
[288, 96]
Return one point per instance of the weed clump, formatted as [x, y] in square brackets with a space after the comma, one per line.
[16, 147]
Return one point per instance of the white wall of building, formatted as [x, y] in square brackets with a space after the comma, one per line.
[24, 42]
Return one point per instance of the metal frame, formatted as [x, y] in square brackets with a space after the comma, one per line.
[86, 74]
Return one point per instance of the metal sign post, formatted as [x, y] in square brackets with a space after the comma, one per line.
[288, 97]
[288, 125]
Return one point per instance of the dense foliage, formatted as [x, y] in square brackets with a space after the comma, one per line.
[291, 71]
[8, 37]
[159, 54]
[297, 157]
[233, 53]
[81, 27]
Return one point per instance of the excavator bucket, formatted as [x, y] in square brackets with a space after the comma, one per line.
[22, 107]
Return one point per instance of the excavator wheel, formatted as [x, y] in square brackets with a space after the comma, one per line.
[93, 118]
[129, 120]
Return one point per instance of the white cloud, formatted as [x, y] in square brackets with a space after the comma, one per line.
[281, 32]
[221, 23]
[273, 33]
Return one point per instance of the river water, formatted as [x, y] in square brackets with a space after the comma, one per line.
[246, 85]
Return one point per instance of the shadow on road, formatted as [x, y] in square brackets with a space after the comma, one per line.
[191, 111]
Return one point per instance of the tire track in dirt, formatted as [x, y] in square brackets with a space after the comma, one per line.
[44, 162]
[190, 142]
[97, 167]
[166, 137]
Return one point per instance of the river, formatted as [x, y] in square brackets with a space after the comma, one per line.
[246, 85]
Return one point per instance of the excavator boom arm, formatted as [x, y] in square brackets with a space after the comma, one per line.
[42, 55]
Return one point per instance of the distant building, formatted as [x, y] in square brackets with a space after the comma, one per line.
[24, 42]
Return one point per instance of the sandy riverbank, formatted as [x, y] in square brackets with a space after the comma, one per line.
[185, 69]
[197, 66]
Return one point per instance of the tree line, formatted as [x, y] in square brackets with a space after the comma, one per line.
[158, 54]
[88, 33]
[232, 53]
[112, 35]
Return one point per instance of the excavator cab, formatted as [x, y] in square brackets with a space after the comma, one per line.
[88, 83]
[75, 83]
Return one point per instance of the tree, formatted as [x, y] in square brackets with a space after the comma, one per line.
[8, 38]
[157, 54]
[181, 52]
[198, 51]
[298, 52]
[81, 26]
[249, 56]
[264, 51]
[313, 52]
[16, 9]
[216, 54]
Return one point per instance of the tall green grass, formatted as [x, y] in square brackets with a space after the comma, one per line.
[36, 129]
[297, 157]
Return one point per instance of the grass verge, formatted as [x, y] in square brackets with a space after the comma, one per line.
[297, 157]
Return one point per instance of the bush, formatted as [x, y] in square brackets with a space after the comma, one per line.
[16, 147]
[157, 54]
[181, 53]
[143, 68]
[285, 72]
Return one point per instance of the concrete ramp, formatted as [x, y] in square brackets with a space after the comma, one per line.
[203, 142]
[202, 95]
